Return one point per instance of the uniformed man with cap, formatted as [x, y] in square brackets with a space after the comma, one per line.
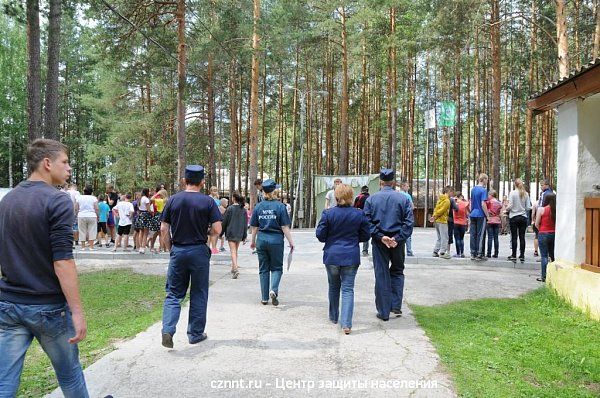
[392, 222]
[186, 218]
[270, 222]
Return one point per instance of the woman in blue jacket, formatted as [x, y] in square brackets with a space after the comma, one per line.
[341, 228]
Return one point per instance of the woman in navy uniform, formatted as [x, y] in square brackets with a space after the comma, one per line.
[341, 228]
[391, 217]
[270, 222]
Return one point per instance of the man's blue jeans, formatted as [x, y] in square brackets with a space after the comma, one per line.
[341, 278]
[52, 326]
[188, 264]
[270, 266]
[477, 232]
[409, 251]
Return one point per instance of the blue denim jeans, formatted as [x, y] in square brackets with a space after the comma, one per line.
[409, 251]
[477, 232]
[270, 266]
[459, 238]
[341, 278]
[546, 245]
[492, 231]
[52, 326]
[188, 267]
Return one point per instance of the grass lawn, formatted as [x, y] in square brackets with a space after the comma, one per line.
[118, 305]
[533, 346]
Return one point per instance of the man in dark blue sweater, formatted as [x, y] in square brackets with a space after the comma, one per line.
[39, 289]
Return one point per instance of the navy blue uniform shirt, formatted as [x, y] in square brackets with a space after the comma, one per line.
[341, 228]
[269, 216]
[189, 214]
[390, 215]
[36, 222]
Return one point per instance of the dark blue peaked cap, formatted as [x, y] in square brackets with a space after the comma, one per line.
[269, 185]
[386, 174]
[194, 172]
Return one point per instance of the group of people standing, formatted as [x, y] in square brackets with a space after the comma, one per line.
[110, 218]
[483, 215]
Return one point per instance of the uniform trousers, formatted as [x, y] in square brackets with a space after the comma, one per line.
[388, 265]
[270, 266]
[188, 267]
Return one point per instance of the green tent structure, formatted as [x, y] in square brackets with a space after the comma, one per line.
[323, 183]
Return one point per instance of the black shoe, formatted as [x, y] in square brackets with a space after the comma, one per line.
[365, 254]
[382, 318]
[202, 337]
[397, 311]
[495, 256]
[167, 340]
[482, 258]
[522, 259]
[435, 254]
[512, 258]
[540, 279]
[264, 302]
[273, 296]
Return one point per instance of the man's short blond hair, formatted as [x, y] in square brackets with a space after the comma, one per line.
[344, 195]
[483, 176]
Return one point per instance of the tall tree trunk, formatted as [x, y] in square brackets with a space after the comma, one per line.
[212, 170]
[561, 35]
[51, 127]
[394, 93]
[496, 85]
[532, 88]
[34, 100]
[264, 126]
[596, 47]
[253, 146]
[457, 129]
[233, 127]
[476, 115]
[377, 136]
[181, 72]
[344, 129]
[577, 8]
[329, 123]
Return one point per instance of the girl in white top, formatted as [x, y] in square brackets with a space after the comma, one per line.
[518, 208]
[86, 207]
[144, 220]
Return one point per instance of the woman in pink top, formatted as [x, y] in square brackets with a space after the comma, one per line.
[545, 221]
[493, 223]
[461, 217]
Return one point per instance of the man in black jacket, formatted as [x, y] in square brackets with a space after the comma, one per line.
[39, 291]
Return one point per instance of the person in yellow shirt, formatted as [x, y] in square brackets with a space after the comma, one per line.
[159, 199]
[440, 220]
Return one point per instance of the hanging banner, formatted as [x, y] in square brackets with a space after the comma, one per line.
[447, 114]
[430, 119]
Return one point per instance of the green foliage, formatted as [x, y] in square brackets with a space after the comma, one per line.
[536, 345]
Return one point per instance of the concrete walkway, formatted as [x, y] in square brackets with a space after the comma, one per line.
[293, 350]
